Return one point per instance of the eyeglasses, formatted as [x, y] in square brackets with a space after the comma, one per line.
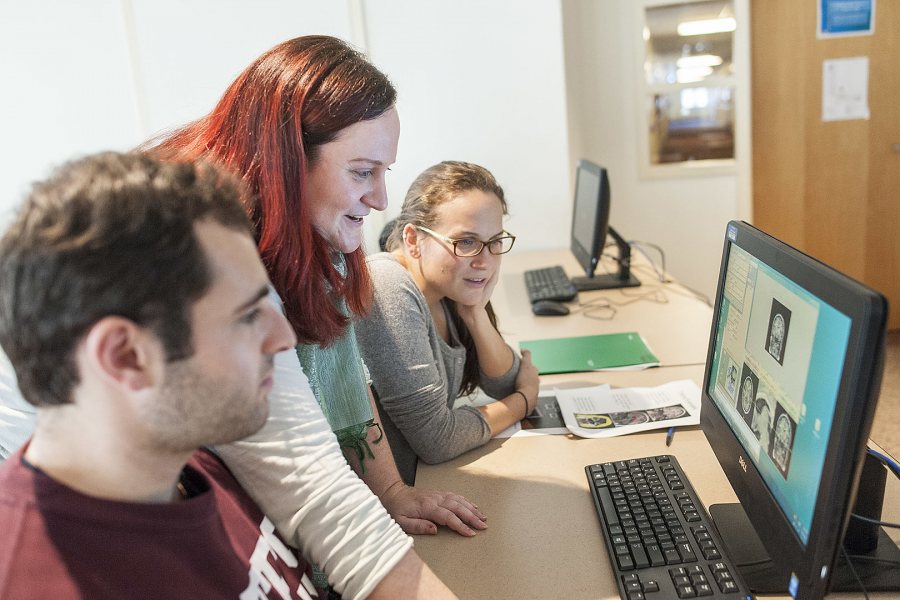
[469, 247]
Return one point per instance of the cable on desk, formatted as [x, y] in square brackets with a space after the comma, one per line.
[661, 271]
[874, 559]
[693, 294]
[753, 563]
[875, 521]
[853, 570]
[886, 460]
[589, 309]
[655, 294]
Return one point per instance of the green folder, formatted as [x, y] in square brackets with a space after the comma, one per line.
[590, 353]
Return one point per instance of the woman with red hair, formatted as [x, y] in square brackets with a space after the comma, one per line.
[311, 128]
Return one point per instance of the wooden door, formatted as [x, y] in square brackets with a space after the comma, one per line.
[830, 188]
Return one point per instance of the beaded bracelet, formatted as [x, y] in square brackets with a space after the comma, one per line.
[524, 399]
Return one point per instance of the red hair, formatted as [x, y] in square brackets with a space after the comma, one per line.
[268, 128]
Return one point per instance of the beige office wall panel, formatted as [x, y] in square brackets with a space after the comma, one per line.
[778, 96]
[830, 188]
[882, 269]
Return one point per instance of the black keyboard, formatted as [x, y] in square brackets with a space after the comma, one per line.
[549, 283]
[660, 539]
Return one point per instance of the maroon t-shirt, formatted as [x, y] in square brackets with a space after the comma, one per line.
[58, 543]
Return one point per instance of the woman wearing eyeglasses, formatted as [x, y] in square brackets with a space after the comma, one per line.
[431, 335]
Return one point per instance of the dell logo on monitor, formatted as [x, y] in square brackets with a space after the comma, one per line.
[742, 463]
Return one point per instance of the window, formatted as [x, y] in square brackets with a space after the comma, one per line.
[688, 85]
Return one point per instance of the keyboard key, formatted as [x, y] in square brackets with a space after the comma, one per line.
[640, 556]
[686, 552]
[654, 552]
[723, 577]
[704, 589]
[711, 554]
[625, 562]
[672, 557]
[606, 504]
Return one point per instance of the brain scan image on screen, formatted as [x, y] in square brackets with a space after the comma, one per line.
[761, 425]
[731, 381]
[782, 440]
[747, 395]
[776, 337]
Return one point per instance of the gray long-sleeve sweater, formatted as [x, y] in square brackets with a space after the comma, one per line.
[417, 375]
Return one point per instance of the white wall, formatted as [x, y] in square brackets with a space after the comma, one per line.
[479, 80]
[92, 75]
[684, 215]
[66, 87]
[184, 64]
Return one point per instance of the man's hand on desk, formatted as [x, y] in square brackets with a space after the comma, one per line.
[420, 511]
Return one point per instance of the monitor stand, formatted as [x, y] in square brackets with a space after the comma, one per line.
[604, 282]
[621, 279]
[877, 572]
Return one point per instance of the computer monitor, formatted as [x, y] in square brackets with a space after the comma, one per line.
[789, 393]
[590, 225]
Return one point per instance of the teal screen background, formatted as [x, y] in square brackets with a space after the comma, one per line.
[797, 494]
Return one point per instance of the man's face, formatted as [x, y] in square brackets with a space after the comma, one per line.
[219, 394]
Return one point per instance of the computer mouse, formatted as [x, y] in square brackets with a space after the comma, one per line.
[549, 308]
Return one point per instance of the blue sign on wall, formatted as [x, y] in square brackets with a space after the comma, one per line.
[846, 17]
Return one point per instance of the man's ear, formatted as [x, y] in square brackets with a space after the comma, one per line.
[123, 353]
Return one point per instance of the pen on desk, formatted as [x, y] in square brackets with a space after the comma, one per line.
[669, 435]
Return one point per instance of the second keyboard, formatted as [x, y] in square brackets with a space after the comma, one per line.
[549, 283]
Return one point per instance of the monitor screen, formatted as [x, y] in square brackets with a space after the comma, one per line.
[590, 216]
[590, 227]
[789, 394]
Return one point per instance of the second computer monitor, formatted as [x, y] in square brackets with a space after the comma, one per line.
[590, 226]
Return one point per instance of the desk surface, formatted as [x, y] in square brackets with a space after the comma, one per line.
[673, 321]
[544, 538]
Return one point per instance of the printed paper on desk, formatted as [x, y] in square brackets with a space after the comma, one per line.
[600, 411]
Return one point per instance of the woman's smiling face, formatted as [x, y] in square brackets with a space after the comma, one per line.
[346, 180]
[472, 214]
